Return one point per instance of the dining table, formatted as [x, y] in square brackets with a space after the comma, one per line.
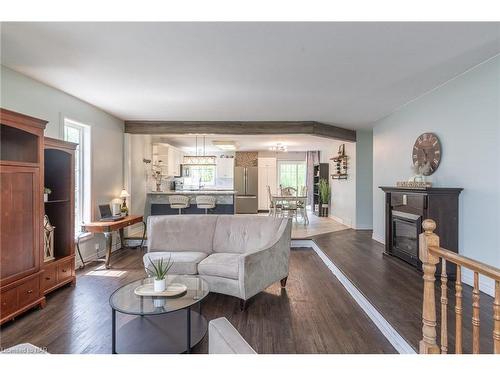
[287, 199]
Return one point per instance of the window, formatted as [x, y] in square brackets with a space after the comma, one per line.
[292, 174]
[79, 133]
[205, 174]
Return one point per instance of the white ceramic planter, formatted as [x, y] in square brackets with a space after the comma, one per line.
[45, 197]
[159, 302]
[160, 285]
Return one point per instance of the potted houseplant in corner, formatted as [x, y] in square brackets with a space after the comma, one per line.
[324, 197]
[158, 270]
[46, 192]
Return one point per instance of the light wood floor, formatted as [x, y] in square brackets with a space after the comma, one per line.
[317, 225]
[314, 314]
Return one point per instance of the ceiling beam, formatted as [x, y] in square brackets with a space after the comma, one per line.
[241, 128]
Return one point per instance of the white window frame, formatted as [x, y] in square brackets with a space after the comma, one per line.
[295, 162]
[85, 176]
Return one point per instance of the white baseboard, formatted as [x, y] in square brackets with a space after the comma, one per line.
[363, 227]
[486, 285]
[93, 256]
[378, 239]
[341, 221]
[396, 340]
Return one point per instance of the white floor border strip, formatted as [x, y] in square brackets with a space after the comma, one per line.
[396, 340]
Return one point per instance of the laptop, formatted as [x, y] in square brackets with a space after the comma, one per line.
[105, 211]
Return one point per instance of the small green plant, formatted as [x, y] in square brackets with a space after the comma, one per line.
[160, 268]
[47, 190]
[324, 191]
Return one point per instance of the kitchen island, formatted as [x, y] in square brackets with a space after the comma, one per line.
[157, 203]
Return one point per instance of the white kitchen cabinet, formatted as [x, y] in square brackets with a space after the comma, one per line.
[225, 168]
[267, 175]
[168, 157]
[175, 157]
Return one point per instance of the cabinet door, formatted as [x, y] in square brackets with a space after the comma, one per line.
[225, 168]
[20, 231]
[267, 177]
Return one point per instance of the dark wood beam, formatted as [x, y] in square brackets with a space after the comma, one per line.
[240, 128]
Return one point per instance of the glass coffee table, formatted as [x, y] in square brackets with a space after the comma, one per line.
[150, 325]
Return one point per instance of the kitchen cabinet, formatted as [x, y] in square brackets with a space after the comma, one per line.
[267, 175]
[174, 161]
[225, 168]
[169, 158]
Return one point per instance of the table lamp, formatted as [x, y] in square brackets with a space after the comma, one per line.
[124, 194]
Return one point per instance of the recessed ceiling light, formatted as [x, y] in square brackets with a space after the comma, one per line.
[225, 145]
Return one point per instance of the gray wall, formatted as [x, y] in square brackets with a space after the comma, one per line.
[25, 95]
[343, 200]
[464, 113]
[364, 179]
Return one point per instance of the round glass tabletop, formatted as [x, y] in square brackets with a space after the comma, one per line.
[124, 299]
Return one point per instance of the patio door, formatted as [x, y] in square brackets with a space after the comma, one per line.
[292, 173]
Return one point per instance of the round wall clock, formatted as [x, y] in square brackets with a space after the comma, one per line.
[427, 153]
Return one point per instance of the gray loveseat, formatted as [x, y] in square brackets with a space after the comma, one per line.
[237, 255]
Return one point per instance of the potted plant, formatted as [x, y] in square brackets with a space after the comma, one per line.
[158, 270]
[324, 196]
[46, 192]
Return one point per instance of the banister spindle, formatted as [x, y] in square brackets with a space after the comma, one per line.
[475, 315]
[458, 311]
[444, 308]
[428, 238]
[496, 319]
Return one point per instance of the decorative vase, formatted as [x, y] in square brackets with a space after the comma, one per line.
[45, 197]
[159, 302]
[160, 285]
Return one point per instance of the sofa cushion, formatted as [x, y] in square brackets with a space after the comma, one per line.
[181, 233]
[220, 264]
[185, 262]
[240, 234]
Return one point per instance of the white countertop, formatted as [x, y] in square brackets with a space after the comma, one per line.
[195, 192]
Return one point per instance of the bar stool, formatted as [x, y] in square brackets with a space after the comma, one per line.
[178, 202]
[205, 202]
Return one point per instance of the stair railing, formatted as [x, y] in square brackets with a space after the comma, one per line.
[430, 253]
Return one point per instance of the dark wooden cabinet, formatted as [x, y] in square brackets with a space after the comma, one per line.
[59, 177]
[21, 200]
[28, 163]
[406, 209]
[321, 171]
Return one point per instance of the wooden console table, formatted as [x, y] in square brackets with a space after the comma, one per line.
[107, 228]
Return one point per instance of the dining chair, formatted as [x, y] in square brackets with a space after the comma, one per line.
[274, 206]
[302, 204]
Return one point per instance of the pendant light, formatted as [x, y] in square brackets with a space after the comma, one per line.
[199, 160]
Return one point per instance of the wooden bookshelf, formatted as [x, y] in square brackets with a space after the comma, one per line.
[320, 172]
[59, 177]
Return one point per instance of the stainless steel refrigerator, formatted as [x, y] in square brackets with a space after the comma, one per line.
[246, 185]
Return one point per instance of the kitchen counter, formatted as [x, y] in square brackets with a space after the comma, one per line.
[195, 192]
[157, 202]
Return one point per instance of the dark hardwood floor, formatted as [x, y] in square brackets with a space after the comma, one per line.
[395, 288]
[314, 314]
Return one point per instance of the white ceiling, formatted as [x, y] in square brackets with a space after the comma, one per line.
[294, 142]
[350, 74]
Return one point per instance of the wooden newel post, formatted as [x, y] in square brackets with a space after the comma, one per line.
[428, 343]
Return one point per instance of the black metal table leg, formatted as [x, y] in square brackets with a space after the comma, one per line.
[113, 331]
[78, 249]
[188, 330]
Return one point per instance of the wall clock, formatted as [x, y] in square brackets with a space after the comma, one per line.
[427, 153]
